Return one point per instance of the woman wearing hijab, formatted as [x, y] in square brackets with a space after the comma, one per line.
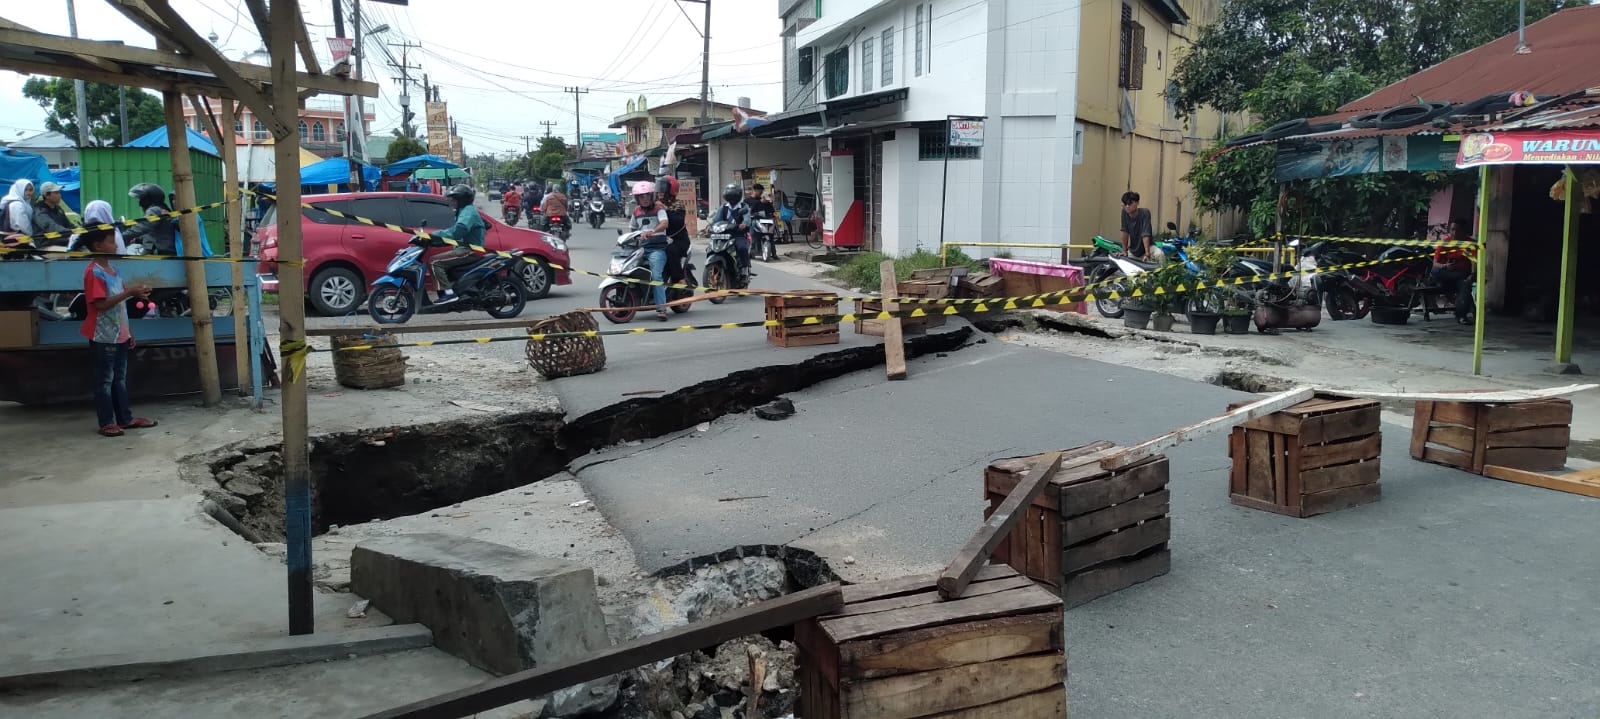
[98, 212]
[16, 209]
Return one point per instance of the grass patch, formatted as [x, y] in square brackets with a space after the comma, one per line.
[862, 270]
[269, 298]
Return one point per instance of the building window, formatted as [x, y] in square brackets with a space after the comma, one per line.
[339, 131]
[1130, 61]
[807, 65]
[1077, 143]
[918, 68]
[836, 69]
[888, 57]
[866, 65]
[317, 133]
[303, 133]
[238, 126]
[260, 130]
[931, 145]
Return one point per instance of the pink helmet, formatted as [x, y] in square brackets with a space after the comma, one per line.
[645, 187]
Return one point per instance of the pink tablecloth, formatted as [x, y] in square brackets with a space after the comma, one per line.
[1029, 277]
[1033, 267]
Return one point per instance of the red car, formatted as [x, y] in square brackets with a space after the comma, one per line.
[343, 257]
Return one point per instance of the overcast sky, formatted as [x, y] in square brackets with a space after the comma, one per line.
[502, 65]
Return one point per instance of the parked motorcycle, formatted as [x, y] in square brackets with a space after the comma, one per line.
[625, 288]
[595, 211]
[510, 214]
[489, 285]
[723, 271]
[764, 236]
[1335, 287]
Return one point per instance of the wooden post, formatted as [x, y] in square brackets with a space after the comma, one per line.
[235, 212]
[189, 225]
[284, 19]
[1480, 270]
[894, 343]
[1569, 277]
[1244, 413]
[955, 578]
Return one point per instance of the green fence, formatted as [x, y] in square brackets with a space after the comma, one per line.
[108, 172]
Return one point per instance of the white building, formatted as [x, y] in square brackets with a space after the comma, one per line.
[59, 151]
[869, 85]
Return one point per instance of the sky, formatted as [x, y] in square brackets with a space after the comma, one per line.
[502, 65]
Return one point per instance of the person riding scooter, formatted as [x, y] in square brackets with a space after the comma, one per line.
[467, 230]
[650, 220]
[735, 212]
[677, 230]
[159, 237]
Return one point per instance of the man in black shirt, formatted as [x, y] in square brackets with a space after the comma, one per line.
[1136, 227]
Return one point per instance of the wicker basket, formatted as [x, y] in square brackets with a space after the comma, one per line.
[368, 369]
[566, 356]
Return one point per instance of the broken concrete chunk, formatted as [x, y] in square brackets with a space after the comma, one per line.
[229, 502]
[245, 487]
[780, 408]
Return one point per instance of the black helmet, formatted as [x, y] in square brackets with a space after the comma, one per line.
[148, 194]
[732, 193]
[462, 194]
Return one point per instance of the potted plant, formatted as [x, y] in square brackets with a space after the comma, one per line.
[1206, 305]
[1236, 314]
[1165, 278]
[1137, 308]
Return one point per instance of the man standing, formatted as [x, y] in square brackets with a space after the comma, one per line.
[1136, 229]
[51, 216]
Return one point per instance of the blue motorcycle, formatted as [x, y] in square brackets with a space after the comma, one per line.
[487, 285]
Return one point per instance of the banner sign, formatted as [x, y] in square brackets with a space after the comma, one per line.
[1310, 159]
[966, 133]
[438, 119]
[340, 47]
[1571, 147]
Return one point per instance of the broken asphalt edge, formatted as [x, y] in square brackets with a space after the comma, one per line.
[213, 658]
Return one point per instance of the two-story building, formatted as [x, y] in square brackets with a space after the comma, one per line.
[643, 124]
[322, 126]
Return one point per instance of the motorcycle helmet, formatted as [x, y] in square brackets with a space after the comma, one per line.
[732, 193]
[462, 194]
[667, 185]
[644, 188]
[148, 194]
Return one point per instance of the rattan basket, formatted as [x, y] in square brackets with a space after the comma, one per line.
[368, 369]
[566, 356]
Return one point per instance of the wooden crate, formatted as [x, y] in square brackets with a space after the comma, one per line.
[897, 651]
[782, 308]
[908, 325]
[1316, 457]
[1093, 531]
[1529, 435]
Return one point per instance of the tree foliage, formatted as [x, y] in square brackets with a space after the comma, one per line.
[404, 147]
[59, 99]
[544, 163]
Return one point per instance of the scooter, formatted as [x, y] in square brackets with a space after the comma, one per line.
[511, 214]
[723, 271]
[595, 211]
[764, 236]
[560, 226]
[1335, 286]
[627, 287]
[488, 285]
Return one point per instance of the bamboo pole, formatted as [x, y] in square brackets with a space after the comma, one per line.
[1477, 294]
[291, 318]
[235, 212]
[195, 272]
[1569, 276]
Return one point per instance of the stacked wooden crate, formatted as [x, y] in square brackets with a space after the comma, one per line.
[897, 650]
[1093, 531]
[1318, 456]
[790, 308]
[1530, 435]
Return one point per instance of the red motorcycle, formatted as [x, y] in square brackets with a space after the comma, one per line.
[1401, 280]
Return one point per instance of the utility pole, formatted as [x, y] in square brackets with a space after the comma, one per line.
[527, 143]
[577, 116]
[705, 64]
[547, 125]
[405, 66]
[79, 88]
[122, 109]
[349, 138]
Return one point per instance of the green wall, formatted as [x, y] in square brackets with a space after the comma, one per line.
[108, 172]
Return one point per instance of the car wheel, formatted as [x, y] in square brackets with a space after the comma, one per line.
[535, 277]
[335, 291]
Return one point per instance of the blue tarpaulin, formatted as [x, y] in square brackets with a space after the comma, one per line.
[418, 162]
[68, 179]
[336, 171]
[615, 178]
[157, 138]
[18, 165]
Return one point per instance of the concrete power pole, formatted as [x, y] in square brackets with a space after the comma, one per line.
[577, 116]
[79, 89]
[705, 64]
[547, 125]
[527, 143]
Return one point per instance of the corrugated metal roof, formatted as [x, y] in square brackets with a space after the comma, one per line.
[1562, 60]
[1350, 133]
[1578, 114]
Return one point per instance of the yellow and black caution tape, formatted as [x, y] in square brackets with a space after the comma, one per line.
[293, 354]
[70, 254]
[170, 214]
[1448, 244]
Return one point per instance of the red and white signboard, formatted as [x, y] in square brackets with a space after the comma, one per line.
[340, 47]
[1572, 147]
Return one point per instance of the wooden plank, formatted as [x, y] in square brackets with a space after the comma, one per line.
[1259, 408]
[906, 601]
[1001, 476]
[1343, 475]
[1461, 438]
[966, 609]
[1258, 477]
[1280, 468]
[1292, 481]
[1041, 705]
[420, 327]
[1527, 458]
[1049, 568]
[1337, 499]
[952, 645]
[972, 557]
[1264, 505]
[1421, 421]
[1278, 422]
[1084, 497]
[917, 695]
[1585, 486]
[1514, 395]
[831, 338]
[817, 651]
[1462, 460]
[1086, 527]
[1085, 587]
[912, 584]
[818, 699]
[1462, 413]
[1553, 437]
[894, 342]
[783, 611]
[1236, 452]
[1528, 414]
[1029, 538]
[1480, 433]
[1329, 405]
[1340, 425]
[1125, 543]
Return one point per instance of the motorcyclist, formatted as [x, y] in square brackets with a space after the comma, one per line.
[467, 230]
[531, 197]
[650, 219]
[512, 198]
[677, 230]
[735, 212]
[159, 235]
[758, 202]
[555, 203]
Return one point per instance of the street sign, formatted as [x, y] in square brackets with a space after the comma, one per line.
[340, 47]
[966, 133]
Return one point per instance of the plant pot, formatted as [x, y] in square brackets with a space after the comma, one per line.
[1236, 324]
[1134, 317]
[1204, 323]
[1390, 315]
[1162, 322]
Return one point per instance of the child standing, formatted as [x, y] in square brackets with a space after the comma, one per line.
[110, 339]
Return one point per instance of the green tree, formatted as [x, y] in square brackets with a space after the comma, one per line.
[545, 162]
[404, 147]
[59, 100]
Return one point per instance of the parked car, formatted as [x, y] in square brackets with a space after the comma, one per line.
[343, 256]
